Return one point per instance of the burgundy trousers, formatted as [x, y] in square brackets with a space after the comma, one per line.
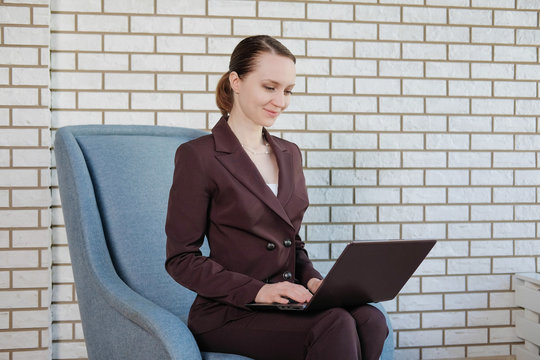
[352, 334]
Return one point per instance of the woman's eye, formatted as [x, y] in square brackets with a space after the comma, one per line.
[269, 88]
[288, 92]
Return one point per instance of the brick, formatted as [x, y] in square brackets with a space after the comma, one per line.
[282, 9]
[447, 213]
[469, 195]
[491, 177]
[488, 317]
[376, 232]
[188, 44]
[15, 15]
[195, 7]
[26, 35]
[353, 214]
[155, 100]
[316, 214]
[492, 247]
[450, 249]
[424, 15]
[333, 122]
[377, 122]
[19, 339]
[31, 319]
[354, 141]
[200, 63]
[102, 23]
[526, 177]
[18, 299]
[492, 106]
[401, 32]
[65, 312]
[18, 96]
[155, 25]
[70, 350]
[322, 48]
[405, 321]
[377, 50]
[447, 34]
[330, 232]
[376, 13]
[514, 265]
[527, 4]
[401, 177]
[375, 159]
[424, 159]
[231, 8]
[306, 29]
[465, 301]
[318, 251]
[62, 22]
[63, 100]
[31, 198]
[470, 123]
[308, 140]
[103, 61]
[527, 247]
[354, 104]
[420, 302]
[378, 86]
[128, 43]
[447, 141]
[190, 119]
[471, 230]
[470, 17]
[515, 54]
[424, 51]
[310, 103]
[514, 195]
[377, 195]
[354, 31]
[527, 107]
[492, 71]
[492, 350]
[75, 80]
[494, 4]
[443, 284]
[31, 238]
[492, 35]
[317, 177]
[515, 18]
[327, 158]
[18, 137]
[465, 336]
[314, 66]
[400, 213]
[330, 195]
[406, 354]
[155, 63]
[14, 178]
[73, 42]
[447, 177]
[447, 70]
[128, 118]
[488, 282]
[492, 142]
[424, 195]
[470, 52]
[514, 159]
[254, 27]
[410, 105]
[327, 85]
[330, 11]
[420, 338]
[469, 88]
[354, 67]
[514, 89]
[76, 6]
[469, 159]
[447, 105]
[446, 319]
[424, 87]
[131, 81]
[103, 100]
[501, 299]
[513, 230]
[401, 141]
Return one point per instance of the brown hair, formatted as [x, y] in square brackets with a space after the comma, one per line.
[243, 61]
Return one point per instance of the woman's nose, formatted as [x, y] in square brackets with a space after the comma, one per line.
[279, 100]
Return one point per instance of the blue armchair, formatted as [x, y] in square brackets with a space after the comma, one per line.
[114, 183]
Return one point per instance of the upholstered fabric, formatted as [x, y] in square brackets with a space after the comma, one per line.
[114, 183]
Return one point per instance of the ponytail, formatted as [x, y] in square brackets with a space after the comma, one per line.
[224, 95]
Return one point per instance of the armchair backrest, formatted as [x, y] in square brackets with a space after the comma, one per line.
[115, 196]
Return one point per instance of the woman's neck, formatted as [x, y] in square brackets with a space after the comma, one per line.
[248, 133]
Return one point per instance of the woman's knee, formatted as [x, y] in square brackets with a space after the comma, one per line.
[368, 316]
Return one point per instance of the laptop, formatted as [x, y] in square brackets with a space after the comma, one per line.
[366, 271]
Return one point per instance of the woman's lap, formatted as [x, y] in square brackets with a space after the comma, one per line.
[296, 335]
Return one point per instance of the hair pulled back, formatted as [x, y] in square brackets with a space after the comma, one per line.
[243, 61]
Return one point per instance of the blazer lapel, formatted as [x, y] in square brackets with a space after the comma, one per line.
[238, 163]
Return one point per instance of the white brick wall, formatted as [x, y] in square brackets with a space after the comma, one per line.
[417, 119]
[25, 198]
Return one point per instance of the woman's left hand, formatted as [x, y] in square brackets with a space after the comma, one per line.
[313, 284]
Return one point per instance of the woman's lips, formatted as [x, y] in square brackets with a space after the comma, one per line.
[272, 113]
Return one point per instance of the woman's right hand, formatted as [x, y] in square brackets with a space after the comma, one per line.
[281, 292]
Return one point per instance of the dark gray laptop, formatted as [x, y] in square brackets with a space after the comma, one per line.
[366, 271]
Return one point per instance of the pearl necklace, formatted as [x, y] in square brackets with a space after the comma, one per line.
[258, 153]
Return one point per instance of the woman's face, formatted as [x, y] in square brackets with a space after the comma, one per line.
[262, 94]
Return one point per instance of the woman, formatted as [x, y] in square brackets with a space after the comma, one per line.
[245, 191]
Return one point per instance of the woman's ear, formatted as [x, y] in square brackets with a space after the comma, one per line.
[234, 80]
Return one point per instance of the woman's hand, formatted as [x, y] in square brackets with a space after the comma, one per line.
[281, 292]
[313, 284]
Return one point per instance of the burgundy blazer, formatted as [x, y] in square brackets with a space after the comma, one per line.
[218, 192]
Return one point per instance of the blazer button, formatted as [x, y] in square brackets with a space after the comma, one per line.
[287, 275]
[270, 246]
[287, 242]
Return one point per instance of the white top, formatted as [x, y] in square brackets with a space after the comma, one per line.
[273, 187]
